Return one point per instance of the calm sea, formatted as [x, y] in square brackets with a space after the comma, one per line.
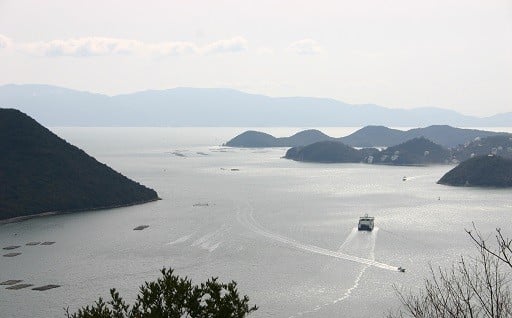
[284, 230]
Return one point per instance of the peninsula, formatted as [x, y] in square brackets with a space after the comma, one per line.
[481, 171]
[42, 173]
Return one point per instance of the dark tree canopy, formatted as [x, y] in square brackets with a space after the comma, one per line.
[40, 172]
[174, 297]
[482, 171]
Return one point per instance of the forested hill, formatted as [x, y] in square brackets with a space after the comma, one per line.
[255, 139]
[369, 136]
[417, 151]
[40, 172]
[481, 171]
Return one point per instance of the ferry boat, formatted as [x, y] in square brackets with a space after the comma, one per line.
[365, 223]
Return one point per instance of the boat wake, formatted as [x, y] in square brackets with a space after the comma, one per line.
[349, 239]
[249, 221]
[210, 241]
[365, 244]
[371, 248]
[182, 239]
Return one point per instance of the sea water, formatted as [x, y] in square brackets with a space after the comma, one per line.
[285, 231]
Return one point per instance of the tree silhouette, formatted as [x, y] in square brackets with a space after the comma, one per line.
[473, 287]
[174, 297]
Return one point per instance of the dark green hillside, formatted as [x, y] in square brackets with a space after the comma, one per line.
[482, 171]
[40, 172]
[417, 151]
[500, 145]
[251, 139]
[324, 151]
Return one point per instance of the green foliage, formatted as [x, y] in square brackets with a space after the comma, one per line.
[174, 297]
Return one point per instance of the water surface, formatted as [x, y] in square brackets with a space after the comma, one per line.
[284, 230]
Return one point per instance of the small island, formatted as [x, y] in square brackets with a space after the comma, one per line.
[417, 151]
[42, 173]
[481, 171]
[325, 152]
[256, 139]
[369, 136]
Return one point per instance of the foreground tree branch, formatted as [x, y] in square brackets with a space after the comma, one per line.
[473, 287]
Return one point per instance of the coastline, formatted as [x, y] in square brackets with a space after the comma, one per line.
[44, 214]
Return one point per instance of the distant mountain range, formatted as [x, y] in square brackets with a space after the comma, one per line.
[369, 136]
[56, 106]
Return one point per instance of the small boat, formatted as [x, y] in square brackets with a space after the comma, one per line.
[401, 269]
[366, 223]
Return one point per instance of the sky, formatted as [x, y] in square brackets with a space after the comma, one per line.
[453, 54]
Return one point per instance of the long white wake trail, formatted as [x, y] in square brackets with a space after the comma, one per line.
[250, 222]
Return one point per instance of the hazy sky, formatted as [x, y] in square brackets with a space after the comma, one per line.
[454, 54]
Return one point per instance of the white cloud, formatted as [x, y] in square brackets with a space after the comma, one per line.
[236, 44]
[173, 48]
[306, 47]
[83, 47]
[99, 46]
[5, 42]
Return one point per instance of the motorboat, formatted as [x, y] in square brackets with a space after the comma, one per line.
[401, 269]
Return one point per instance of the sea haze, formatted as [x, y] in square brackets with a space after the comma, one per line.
[284, 230]
[57, 106]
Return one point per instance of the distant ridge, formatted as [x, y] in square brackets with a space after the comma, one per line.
[369, 136]
[41, 173]
[443, 135]
[57, 106]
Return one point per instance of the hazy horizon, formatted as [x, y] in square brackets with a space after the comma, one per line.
[448, 54]
[251, 93]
